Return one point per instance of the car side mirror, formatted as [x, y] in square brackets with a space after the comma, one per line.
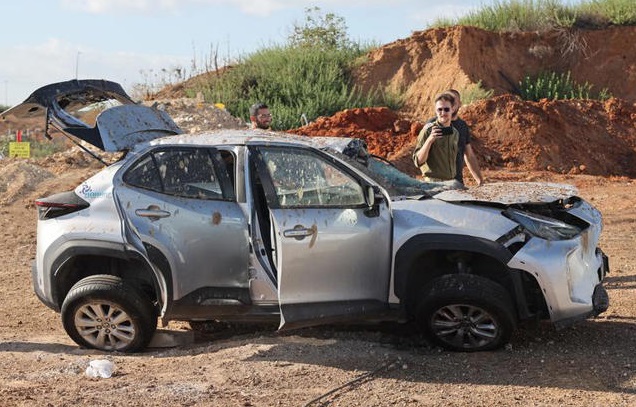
[370, 196]
[373, 207]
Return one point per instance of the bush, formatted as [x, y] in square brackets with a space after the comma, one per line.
[552, 85]
[475, 92]
[294, 82]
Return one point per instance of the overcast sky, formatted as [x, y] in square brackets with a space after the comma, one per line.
[144, 41]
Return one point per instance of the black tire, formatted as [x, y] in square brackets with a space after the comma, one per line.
[95, 301]
[465, 312]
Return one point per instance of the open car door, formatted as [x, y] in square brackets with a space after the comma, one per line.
[332, 251]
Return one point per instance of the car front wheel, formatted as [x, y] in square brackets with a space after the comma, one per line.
[464, 312]
[105, 313]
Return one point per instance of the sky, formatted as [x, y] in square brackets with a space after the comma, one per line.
[144, 43]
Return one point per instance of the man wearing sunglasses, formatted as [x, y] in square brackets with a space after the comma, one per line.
[465, 152]
[437, 144]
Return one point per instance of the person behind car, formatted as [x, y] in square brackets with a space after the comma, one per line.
[260, 116]
[465, 152]
[437, 143]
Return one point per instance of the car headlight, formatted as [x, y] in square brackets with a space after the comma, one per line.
[542, 226]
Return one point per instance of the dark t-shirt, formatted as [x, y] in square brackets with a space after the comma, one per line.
[464, 139]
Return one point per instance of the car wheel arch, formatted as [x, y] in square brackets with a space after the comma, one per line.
[79, 262]
[443, 254]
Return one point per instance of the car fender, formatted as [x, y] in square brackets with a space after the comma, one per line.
[71, 249]
[407, 254]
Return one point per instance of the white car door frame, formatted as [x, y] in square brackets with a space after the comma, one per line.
[333, 260]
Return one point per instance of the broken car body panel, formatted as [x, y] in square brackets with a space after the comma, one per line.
[508, 193]
[96, 111]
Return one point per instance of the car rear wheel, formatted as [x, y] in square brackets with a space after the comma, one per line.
[105, 313]
[464, 312]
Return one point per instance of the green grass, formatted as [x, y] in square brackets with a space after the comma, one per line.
[551, 85]
[37, 148]
[294, 82]
[543, 15]
[475, 92]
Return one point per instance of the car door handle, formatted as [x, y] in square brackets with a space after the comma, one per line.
[153, 213]
[299, 232]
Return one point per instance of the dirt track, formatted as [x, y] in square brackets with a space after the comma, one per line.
[592, 363]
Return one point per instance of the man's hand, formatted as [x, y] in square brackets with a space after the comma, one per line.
[436, 133]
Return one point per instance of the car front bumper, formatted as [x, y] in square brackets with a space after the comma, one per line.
[570, 275]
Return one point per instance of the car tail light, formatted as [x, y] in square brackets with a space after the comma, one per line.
[59, 204]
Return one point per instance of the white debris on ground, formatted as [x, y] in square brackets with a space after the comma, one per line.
[194, 115]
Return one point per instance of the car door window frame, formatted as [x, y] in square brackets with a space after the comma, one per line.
[271, 192]
[218, 167]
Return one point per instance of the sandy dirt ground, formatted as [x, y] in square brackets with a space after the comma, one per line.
[590, 364]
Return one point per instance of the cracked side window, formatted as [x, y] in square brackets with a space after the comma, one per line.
[304, 179]
[188, 173]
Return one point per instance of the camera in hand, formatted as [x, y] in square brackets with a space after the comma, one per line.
[446, 131]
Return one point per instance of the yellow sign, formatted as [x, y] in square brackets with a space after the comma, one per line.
[20, 149]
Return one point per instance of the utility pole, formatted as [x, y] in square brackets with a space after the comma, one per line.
[77, 64]
[6, 93]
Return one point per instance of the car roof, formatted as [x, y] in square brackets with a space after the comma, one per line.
[249, 137]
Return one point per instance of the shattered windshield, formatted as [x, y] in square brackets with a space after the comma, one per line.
[398, 184]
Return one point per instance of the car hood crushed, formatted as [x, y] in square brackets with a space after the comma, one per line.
[96, 111]
[511, 193]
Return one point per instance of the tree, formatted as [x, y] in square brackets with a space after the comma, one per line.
[327, 31]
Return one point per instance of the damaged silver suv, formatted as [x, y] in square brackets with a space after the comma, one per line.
[242, 225]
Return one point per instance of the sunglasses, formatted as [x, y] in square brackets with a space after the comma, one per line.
[443, 109]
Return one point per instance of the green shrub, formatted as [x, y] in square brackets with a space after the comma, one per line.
[308, 77]
[475, 92]
[295, 82]
[552, 85]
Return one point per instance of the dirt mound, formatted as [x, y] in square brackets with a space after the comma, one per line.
[18, 178]
[434, 60]
[577, 136]
[382, 129]
[573, 136]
